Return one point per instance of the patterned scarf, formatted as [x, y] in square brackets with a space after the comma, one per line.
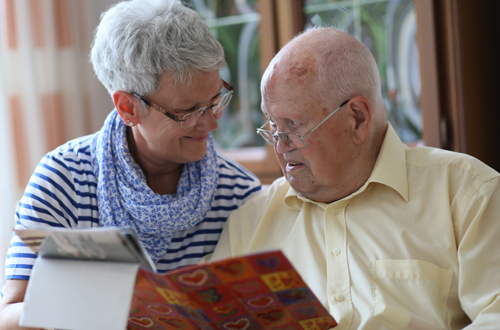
[125, 199]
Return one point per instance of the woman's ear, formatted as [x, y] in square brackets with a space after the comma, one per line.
[362, 113]
[126, 105]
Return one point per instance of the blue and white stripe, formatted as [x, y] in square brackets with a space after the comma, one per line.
[62, 193]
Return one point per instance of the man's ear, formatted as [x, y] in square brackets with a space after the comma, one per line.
[362, 113]
[126, 104]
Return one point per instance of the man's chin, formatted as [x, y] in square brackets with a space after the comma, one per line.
[309, 189]
[300, 185]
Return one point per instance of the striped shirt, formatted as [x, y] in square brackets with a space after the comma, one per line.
[62, 193]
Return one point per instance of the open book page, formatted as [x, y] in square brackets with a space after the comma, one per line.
[105, 244]
[260, 291]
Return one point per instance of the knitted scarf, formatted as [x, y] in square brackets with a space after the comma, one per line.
[125, 199]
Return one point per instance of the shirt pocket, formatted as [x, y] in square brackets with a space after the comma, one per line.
[410, 294]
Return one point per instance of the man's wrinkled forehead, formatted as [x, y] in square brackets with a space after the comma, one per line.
[291, 65]
[289, 70]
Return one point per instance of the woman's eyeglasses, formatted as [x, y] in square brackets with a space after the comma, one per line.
[193, 118]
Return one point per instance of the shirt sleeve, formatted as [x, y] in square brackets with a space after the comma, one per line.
[478, 255]
[50, 199]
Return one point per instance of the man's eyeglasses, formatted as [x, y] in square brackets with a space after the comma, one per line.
[292, 140]
[191, 119]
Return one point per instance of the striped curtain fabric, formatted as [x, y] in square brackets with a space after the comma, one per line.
[48, 91]
[45, 69]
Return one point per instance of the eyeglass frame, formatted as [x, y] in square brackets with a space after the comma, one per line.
[280, 135]
[173, 116]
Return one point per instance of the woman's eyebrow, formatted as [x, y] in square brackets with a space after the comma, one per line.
[219, 93]
[195, 107]
[213, 97]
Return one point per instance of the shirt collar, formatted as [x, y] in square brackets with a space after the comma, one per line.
[390, 167]
[389, 170]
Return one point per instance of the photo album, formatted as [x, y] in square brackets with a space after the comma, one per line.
[108, 267]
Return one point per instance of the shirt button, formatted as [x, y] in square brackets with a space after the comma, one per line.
[335, 211]
[339, 297]
[336, 251]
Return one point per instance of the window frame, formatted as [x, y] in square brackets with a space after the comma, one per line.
[280, 21]
[454, 108]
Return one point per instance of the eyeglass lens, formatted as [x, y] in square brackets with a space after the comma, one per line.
[193, 118]
[292, 140]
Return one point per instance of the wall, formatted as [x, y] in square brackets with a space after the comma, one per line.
[479, 29]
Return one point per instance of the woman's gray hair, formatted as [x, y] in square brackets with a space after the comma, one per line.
[137, 41]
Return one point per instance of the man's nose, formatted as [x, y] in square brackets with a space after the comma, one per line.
[282, 147]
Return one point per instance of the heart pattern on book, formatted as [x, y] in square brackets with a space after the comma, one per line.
[196, 278]
[249, 287]
[258, 291]
[260, 302]
[143, 321]
[321, 323]
[224, 308]
[175, 323]
[294, 295]
[233, 269]
[160, 309]
[270, 263]
[291, 327]
[210, 295]
[272, 316]
[241, 324]
[309, 310]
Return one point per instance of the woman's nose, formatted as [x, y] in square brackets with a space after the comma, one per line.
[207, 121]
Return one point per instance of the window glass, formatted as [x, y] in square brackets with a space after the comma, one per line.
[235, 23]
[388, 29]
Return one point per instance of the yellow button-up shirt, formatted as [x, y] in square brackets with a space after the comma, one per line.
[416, 247]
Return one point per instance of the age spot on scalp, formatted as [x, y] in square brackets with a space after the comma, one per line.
[297, 70]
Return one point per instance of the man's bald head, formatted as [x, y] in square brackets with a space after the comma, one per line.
[340, 66]
[324, 87]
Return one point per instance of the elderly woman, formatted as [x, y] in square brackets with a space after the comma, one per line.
[152, 166]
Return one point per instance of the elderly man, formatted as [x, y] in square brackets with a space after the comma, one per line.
[387, 237]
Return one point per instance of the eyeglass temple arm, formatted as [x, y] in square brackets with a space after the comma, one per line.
[321, 122]
[158, 108]
[227, 86]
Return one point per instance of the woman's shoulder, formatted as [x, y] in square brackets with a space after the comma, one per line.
[235, 182]
[231, 169]
[75, 152]
[76, 148]
[70, 163]
[61, 191]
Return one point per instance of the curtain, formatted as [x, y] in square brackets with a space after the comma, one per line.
[48, 92]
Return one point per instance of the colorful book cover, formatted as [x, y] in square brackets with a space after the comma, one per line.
[260, 291]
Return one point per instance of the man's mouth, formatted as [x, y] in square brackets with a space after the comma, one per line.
[293, 165]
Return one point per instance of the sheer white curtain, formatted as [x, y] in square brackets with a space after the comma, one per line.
[48, 92]
[8, 190]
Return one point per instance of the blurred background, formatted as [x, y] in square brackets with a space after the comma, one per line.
[437, 59]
